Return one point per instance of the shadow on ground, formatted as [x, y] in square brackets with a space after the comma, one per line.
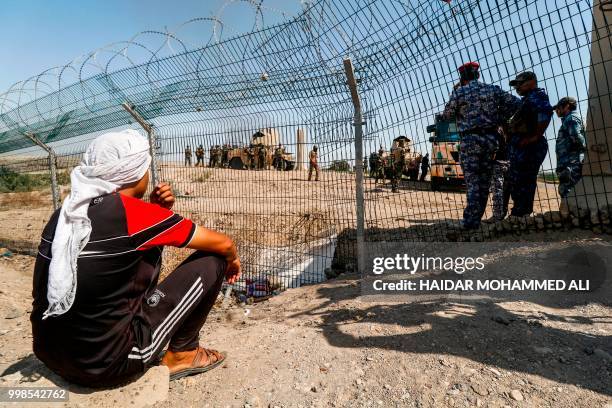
[559, 338]
[32, 370]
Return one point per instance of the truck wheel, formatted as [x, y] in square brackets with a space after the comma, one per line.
[288, 165]
[434, 184]
[236, 163]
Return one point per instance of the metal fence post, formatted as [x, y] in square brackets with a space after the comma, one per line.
[152, 140]
[52, 161]
[359, 195]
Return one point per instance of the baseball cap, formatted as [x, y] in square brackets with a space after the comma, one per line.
[566, 100]
[523, 77]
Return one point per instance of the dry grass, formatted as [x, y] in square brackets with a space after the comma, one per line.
[32, 199]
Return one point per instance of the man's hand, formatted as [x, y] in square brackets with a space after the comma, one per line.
[233, 271]
[162, 195]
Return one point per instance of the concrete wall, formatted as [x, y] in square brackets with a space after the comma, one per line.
[301, 150]
[594, 191]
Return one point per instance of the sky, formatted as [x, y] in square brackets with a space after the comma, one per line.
[37, 35]
[42, 34]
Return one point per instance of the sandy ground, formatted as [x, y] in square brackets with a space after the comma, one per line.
[272, 208]
[322, 345]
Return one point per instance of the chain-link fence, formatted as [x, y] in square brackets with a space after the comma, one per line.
[235, 123]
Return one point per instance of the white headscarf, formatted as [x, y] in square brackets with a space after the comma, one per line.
[111, 161]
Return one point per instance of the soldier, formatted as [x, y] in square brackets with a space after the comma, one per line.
[188, 156]
[218, 160]
[527, 146]
[479, 110]
[211, 159]
[200, 156]
[224, 155]
[424, 167]
[250, 151]
[262, 156]
[398, 162]
[570, 148]
[498, 185]
[379, 166]
[313, 163]
[365, 165]
[379, 173]
[278, 157]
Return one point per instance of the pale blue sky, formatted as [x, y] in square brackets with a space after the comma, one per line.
[37, 35]
[550, 37]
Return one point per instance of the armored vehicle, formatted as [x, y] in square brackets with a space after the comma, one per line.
[248, 157]
[445, 165]
[412, 160]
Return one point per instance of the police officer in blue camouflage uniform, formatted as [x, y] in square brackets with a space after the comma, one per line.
[479, 109]
[570, 146]
[528, 146]
[498, 183]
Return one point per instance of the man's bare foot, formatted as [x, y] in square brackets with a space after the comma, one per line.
[192, 361]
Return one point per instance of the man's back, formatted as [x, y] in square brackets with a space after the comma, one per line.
[477, 105]
[534, 109]
[117, 270]
[313, 157]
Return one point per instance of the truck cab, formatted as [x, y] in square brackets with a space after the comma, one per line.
[445, 165]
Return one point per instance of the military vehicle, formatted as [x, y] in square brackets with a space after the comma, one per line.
[445, 166]
[411, 166]
[239, 157]
[412, 159]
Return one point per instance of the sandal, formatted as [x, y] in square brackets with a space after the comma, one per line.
[196, 367]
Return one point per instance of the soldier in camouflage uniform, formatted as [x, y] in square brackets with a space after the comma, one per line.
[211, 158]
[200, 156]
[277, 161]
[398, 162]
[261, 157]
[313, 163]
[379, 172]
[527, 146]
[570, 147]
[218, 156]
[224, 153]
[250, 151]
[188, 156]
[479, 110]
[498, 185]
